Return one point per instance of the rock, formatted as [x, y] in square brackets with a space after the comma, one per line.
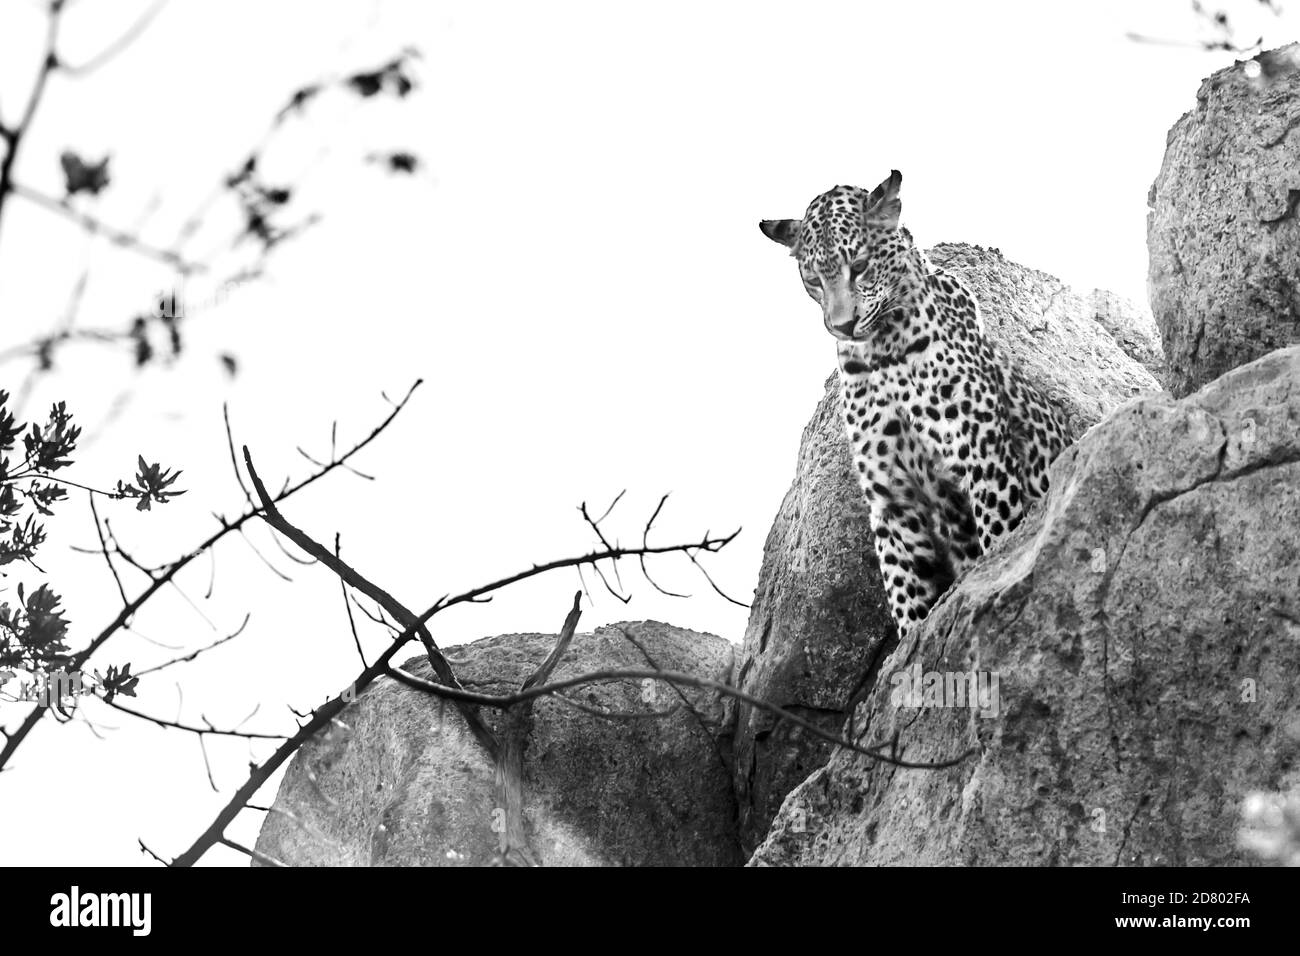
[1052, 332]
[1223, 233]
[818, 626]
[1143, 625]
[1132, 327]
[817, 623]
[404, 784]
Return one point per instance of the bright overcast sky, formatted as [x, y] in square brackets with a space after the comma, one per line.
[578, 277]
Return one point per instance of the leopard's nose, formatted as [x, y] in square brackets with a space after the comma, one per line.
[842, 328]
[839, 313]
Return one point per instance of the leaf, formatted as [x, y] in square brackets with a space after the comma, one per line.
[43, 496]
[46, 626]
[80, 176]
[366, 84]
[151, 485]
[117, 682]
[392, 76]
[140, 341]
[397, 162]
[298, 102]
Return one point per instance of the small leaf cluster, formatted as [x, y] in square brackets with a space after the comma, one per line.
[25, 488]
[150, 485]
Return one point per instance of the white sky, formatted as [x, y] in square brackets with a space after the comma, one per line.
[578, 277]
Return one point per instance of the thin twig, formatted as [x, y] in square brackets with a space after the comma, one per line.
[145, 849]
[234, 462]
[207, 764]
[347, 605]
[118, 237]
[13, 135]
[274, 570]
[513, 844]
[103, 546]
[195, 653]
[645, 539]
[117, 46]
[208, 728]
[604, 714]
[252, 854]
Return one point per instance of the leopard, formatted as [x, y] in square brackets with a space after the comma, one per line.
[951, 443]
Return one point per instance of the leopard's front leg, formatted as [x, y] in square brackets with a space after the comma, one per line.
[922, 525]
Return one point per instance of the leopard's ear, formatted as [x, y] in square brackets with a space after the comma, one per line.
[784, 231]
[883, 205]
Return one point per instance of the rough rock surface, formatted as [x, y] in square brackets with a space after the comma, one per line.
[1052, 332]
[1144, 627]
[819, 625]
[405, 785]
[1133, 328]
[1223, 233]
[817, 622]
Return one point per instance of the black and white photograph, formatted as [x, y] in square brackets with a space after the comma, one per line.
[443, 434]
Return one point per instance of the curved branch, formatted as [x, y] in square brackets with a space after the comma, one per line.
[272, 515]
[503, 701]
[128, 37]
[13, 135]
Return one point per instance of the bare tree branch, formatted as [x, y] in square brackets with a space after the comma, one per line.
[347, 605]
[503, 701]
[118, 237]
[115, 48]
[13, 135]
[195, 653]
[14, 738]
[272, 516]
[103, 546]
[208, 728]
[645, 538]
[513, 844]
[382, 666]
[252, 854]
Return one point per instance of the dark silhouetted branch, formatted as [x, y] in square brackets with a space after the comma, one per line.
[503, 701]
[323, 715]
[513, 846]
[165, 576]
[395, 608]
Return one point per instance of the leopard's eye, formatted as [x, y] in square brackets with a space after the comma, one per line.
[858, 268]
[811, 278]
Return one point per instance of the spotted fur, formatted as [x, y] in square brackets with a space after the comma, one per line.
[950, 442]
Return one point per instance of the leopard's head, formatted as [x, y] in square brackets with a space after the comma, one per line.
[853, 257]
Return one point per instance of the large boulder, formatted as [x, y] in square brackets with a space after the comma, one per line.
[818, 628]
[1137, 640]
[399, 781]
[1223, 232]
